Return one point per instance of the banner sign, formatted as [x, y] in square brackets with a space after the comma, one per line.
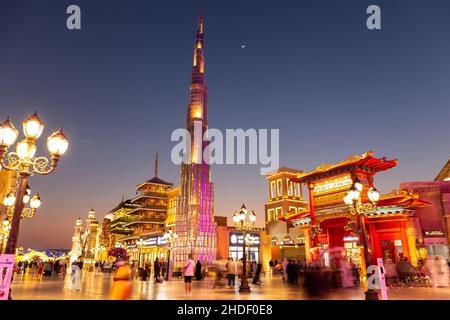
[6, 272]
[382, 277]
[238, 239]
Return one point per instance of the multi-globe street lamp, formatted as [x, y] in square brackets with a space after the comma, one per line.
[353, 199]
[24, 162]
[170, 236]
[244, 221]
[34, 202]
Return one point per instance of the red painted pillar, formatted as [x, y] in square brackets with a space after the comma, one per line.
[312, 212]
[376, 245]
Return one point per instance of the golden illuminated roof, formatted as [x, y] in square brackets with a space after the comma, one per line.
[366, 162]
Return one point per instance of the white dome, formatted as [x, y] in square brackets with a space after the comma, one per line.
[110, 216]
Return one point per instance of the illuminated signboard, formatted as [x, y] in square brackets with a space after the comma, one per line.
[237, 239]
[155, 241]
[351, 239]
[434, 233]
[333, 184]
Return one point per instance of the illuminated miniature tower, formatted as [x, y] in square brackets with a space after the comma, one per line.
[195, 214]
[92, 238]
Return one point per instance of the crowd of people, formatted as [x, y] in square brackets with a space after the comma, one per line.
[318, 279]
[315, 277]
[43, 268]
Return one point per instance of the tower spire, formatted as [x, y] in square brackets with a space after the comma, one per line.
[156, 163]
[198, 68]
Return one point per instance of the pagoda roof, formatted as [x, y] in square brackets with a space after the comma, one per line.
[405, 200]
[149, 208]
[155, 180]
[366, 162]
[146, 221]
[444, 173]
[123, 204]
[151, 195]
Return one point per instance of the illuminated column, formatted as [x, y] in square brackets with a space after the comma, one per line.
[378, 253]
[312, 213]
[412, 233]
[406, 252]
[307, 245]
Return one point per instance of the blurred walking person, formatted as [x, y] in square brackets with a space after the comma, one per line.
[107, 266]
[64, 268]
[156, 269]
[231, 272]
[40, 269]
[285, 269]
[75, 280]
[134, 270]
[316, 282]
[198, 270]
[188, 270]
[440, 272]
[257, 276]
[122, 288]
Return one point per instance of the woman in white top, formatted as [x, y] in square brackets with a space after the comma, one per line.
[189, 266]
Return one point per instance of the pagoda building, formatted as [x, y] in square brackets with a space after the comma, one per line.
[117, 218]
[195, 214]
[148, 220]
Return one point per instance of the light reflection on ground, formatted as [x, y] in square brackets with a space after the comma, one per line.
[96, 286]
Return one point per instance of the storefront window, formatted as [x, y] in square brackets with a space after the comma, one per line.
[251, 250]
[252, 253]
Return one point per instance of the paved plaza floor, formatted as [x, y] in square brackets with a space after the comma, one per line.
[96, 286]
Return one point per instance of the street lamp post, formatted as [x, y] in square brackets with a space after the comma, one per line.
[34, 203]
[244, 221]
[24, 162]
[6, 226]
[170, 237]
[353, 199]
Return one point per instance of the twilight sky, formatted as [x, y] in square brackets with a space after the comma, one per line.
[312, 69]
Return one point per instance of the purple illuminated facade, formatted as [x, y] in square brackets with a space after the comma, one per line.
[195, 213]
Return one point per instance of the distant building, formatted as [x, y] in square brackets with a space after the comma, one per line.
[85, 240]
[77, 250]
[434, 219]
[148, 221]
[285, 198]
[139, 224]
[230, 244]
